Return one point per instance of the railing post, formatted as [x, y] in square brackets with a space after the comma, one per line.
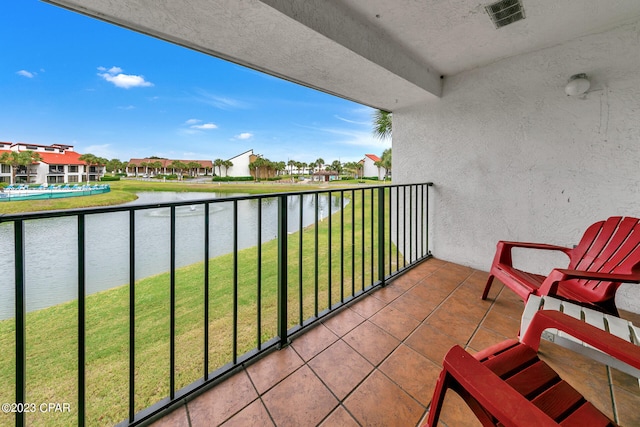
[381, 275]
[21, 312]
[282, 270]
[81, 320]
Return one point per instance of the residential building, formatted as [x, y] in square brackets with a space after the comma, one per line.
[150, 167]
[59, 164]
[370, 169]
[240, 164]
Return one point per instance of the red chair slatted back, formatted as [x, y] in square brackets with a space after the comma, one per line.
[611, 246]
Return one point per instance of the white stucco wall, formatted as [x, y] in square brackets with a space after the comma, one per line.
[513, 158]
[240, 165]
[370, 169]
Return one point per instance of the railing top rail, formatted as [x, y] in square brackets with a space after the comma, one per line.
[120, 208]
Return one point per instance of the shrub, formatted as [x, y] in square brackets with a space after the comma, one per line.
[110, 178]
[231, 178]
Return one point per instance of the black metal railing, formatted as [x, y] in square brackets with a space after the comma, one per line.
[266, 267]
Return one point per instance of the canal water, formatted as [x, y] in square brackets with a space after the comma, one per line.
[51, 254]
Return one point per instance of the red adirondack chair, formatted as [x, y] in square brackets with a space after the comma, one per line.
[607, 256]
[508, 384]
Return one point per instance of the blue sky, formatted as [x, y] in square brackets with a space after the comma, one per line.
[69, 79]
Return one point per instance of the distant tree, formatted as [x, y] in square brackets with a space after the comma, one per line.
[336, 166]
[28, 158]
[145, 165]
[217, 163]
[193, 167]
[227, 164]
[114, 165]
[319, 162]
[179, 166]
[382, 124]
[16, 159]
[291, 164]
[156, 165]
[280, 167]
[385, 161]
[89, 160]
[134, 167]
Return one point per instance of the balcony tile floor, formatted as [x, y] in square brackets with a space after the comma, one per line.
[375, 363]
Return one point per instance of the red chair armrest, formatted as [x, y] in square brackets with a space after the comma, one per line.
[501, 400]
[503, 251]
[602, 340]
[550, 284]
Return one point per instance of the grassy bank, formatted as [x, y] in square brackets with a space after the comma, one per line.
[52, 341]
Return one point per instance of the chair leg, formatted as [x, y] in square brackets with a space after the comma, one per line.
[487, 287]
[438, 399]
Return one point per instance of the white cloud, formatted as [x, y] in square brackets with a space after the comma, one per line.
[192, 121]
[126, 81]
[25, 73]
[244, 135]
[205, 126]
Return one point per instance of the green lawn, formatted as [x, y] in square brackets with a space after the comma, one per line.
[52, 341]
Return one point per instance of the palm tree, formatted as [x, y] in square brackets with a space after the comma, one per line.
[194, 166]
[179, 166]
[134, 167]
[28, 158]
[336, 166]
[385, 161]
[382, 124]
[156, 165]
[14, 160]
[89, 159]
[227, 164]
[218, 163]
[319, 162]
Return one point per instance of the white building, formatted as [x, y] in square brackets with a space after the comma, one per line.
[240, 164]
[59, 164]
[370, 169]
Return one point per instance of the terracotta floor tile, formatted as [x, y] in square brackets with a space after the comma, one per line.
[379, 402]
[221, 402]
[408, 280]
[300, 400]
[430, 342]
[388, 293]
[341, 368]
[177, 418]
[627, 407]
[587, 376]
[430, 293]
[414, 307]
[501, 324]
[395, 322]
[254, 415]
[453, 324]
[339, 418]
[367, 307]
[270, 370]
[413, 372]
[455, 412]
[484, 338]
[343, 322]
[473, 310]
[371, 342]
[313, 341]
[625, 381]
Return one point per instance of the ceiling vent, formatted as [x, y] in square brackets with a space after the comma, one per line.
[505, 12]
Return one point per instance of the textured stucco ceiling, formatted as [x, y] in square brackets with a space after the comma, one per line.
[384, 53]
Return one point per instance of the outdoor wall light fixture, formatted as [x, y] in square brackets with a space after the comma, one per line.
[578, 85]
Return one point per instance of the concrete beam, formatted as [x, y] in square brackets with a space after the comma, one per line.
[313, 43]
